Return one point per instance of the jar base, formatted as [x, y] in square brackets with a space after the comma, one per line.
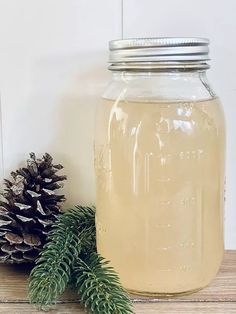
[163, 295]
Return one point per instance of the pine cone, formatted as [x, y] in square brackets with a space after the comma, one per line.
[28, 208]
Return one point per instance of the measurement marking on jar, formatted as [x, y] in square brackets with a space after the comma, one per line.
[164, 248]
[188, 201]
[182, 268]
[182, 245]
[185, 268]
[187, 244]
[165, 203]
[163, 225]
[163, 180]
[191, 154]
[165, 270]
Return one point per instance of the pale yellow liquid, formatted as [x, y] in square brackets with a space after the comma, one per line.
[160, 184]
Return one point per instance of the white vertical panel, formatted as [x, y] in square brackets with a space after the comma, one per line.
[53, 56]
[204, 18]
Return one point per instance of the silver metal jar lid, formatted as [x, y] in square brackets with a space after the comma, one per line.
[159, 50]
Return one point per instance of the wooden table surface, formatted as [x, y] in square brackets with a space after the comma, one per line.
[218, 298]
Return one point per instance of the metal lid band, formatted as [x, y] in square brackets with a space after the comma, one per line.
[174, 52]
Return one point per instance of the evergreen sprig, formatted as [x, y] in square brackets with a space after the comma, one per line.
[99, 287]
[52, 273]
[70, 256]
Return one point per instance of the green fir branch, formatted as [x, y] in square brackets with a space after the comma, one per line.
[53, 269]
[70, 257]
[99, 287]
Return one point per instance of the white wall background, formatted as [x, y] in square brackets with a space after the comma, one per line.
[53, 57]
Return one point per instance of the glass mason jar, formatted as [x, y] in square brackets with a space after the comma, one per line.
[159, 161]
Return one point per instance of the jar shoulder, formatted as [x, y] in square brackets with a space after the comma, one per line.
[159, 87]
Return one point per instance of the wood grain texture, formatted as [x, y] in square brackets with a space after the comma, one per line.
[155, 308]
[219, 297]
